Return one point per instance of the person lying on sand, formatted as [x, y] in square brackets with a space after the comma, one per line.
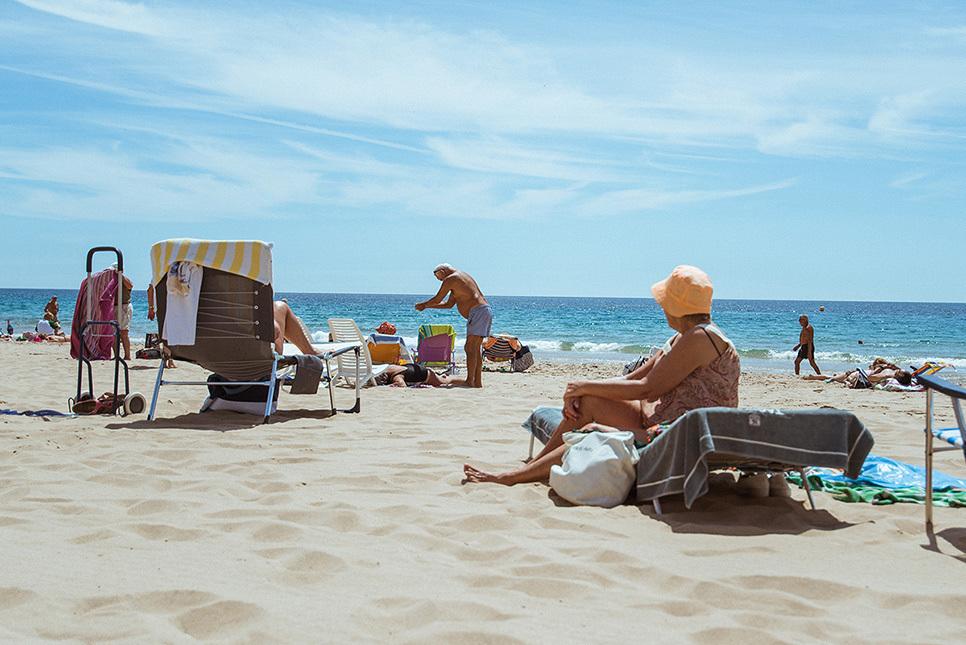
[412, 374]
[879, 371]
[698, 367]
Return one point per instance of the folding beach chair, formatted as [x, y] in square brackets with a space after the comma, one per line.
[435, 347]
[345, 330]
[504, 348]
[955, 437]
[386, 349]
[234, 324]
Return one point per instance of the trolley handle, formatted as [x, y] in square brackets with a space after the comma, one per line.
[96, 249]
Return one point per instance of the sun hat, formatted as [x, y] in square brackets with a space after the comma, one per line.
[686, 291]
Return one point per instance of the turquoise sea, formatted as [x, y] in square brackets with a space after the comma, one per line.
[618, 329]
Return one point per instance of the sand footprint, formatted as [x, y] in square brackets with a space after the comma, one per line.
[219, 619]
[310, 567]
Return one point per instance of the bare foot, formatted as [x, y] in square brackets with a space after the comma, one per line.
[476, 476]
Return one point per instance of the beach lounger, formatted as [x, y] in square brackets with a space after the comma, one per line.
[234, 324]
[345, 330]
[954, 437]
[679, 460]
[435, 347]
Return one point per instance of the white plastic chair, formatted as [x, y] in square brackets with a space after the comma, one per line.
[345, 330]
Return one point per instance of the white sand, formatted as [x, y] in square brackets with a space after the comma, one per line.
[356, 527]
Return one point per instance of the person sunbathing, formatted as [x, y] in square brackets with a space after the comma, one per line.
[412, 374]
[698, 367]
[879, 371]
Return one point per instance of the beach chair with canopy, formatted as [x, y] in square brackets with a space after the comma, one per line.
[345, 330]
[435, 347]
[233, 327]
[954, 438]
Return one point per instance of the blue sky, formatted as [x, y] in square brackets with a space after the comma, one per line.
[792, 150]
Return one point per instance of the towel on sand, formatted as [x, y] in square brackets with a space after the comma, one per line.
[886, 481]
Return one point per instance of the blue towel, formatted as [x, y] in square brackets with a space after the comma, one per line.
[889, 473]
[35, 413]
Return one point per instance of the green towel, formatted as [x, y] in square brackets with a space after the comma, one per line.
[846, 492]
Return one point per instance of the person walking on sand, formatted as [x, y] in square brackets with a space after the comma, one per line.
[462, 291]
[806, 345]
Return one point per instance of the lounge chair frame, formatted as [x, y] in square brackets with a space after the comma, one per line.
[719, 461]
[235, 330]
[278, 360]
[934, 384]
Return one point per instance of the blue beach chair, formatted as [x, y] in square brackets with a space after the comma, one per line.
[954, 437]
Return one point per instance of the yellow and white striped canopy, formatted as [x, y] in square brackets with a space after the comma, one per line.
[248, 258]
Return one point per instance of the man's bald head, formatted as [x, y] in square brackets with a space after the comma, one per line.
[443, 270]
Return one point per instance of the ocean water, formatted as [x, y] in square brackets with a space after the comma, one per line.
[619, 329]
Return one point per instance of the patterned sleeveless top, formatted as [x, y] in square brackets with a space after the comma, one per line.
[713, 385]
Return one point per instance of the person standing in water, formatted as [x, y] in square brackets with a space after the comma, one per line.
[806, 345]
[463, 292]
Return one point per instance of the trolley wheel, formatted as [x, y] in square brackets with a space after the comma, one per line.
[134, 403]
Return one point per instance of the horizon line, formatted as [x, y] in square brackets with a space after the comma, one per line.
[419, 295]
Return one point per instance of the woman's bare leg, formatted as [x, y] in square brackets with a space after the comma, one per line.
[290, 328]
[625, 415]
[537, 470]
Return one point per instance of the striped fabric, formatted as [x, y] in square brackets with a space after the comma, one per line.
[428, 331]
[950, 435]
[500, 347]
[248, 258]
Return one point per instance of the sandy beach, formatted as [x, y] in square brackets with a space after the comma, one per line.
[357, 528]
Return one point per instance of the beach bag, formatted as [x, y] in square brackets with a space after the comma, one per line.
[148, 354]
[598, 468]
[244, 393]
[246, 399]
[522, 360]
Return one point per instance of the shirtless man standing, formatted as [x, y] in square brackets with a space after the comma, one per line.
[806, 345]
[466, 295]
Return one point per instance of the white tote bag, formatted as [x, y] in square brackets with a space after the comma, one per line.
[598, 468]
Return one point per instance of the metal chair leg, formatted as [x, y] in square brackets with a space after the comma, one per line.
[271, 389]
[157, 390]
[530, 455]
[807, 487]
[928, 433]
[657, 506]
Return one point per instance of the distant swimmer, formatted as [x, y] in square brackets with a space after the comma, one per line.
[822, 308]
[806, 345]
[463, 292]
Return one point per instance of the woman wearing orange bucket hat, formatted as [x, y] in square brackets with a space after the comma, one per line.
[697, 367]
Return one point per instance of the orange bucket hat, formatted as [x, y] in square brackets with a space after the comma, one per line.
[686, 291]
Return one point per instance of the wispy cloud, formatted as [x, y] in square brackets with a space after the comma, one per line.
[305, 106]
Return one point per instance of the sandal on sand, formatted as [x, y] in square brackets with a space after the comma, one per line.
[84, 406]
[107, 403]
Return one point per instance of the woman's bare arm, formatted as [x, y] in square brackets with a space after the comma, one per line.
[690, 352]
